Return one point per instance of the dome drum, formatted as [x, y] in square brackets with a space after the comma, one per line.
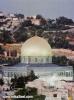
[36, 59]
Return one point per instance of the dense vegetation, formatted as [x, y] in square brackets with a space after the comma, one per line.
[29, 92]
[19, 83]
[1, 82]
[48, 29]
[62, 61]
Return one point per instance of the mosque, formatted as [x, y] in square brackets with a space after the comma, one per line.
[36, 55]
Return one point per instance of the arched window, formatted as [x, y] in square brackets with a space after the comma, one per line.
[71, 74]
[47, 59]
[29, 59]
[36, 60]
[61, 73]
[7, 53]
[24, 59]
[67, 74]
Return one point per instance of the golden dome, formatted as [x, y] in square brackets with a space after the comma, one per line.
[36, 46]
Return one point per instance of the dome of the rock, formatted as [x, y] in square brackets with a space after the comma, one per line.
[36, 47]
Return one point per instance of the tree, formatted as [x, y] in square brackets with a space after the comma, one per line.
[19, 15]
[21, 92]
[7, 38]
[1, 50]
[60, 60]
[1, 82]
[58, 40]
[30, 92]
[64, 21]
[20, 36]
[39, 16]
[32, 76]
[17, 82]
[27, 23]
[20, 82]
[50, 22]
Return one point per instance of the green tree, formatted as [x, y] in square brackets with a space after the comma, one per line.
[39, 16]
[60, 60]
[17, 82]
[20, 36]
[32, 76]
[63, 20]
[1, 82]
[19, 15]
[7, 37]
[29, 92]
[1, 50]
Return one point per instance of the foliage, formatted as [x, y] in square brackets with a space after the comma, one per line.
[1, 50]
[6, 37]
[31, 76]
[39, 16]
[19, 82]
[20, 35]
[19, 15]
[1, 82]
[30, 92]
[60, 60]
[58, 40]
[50, 26]
[64, 21]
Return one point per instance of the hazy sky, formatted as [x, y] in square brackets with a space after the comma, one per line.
[48, 8]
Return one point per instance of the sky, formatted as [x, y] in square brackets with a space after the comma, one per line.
[47, 8]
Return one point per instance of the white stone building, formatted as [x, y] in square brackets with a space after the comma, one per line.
[36, 54]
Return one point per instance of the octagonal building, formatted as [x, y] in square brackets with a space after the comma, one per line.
[36, 50]
[36, 55]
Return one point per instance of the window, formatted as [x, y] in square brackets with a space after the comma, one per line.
[29, 60]
[24, 59]
[61, 73]
[54, 95]
[67, 74]
[47, 59]
[35, 59]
